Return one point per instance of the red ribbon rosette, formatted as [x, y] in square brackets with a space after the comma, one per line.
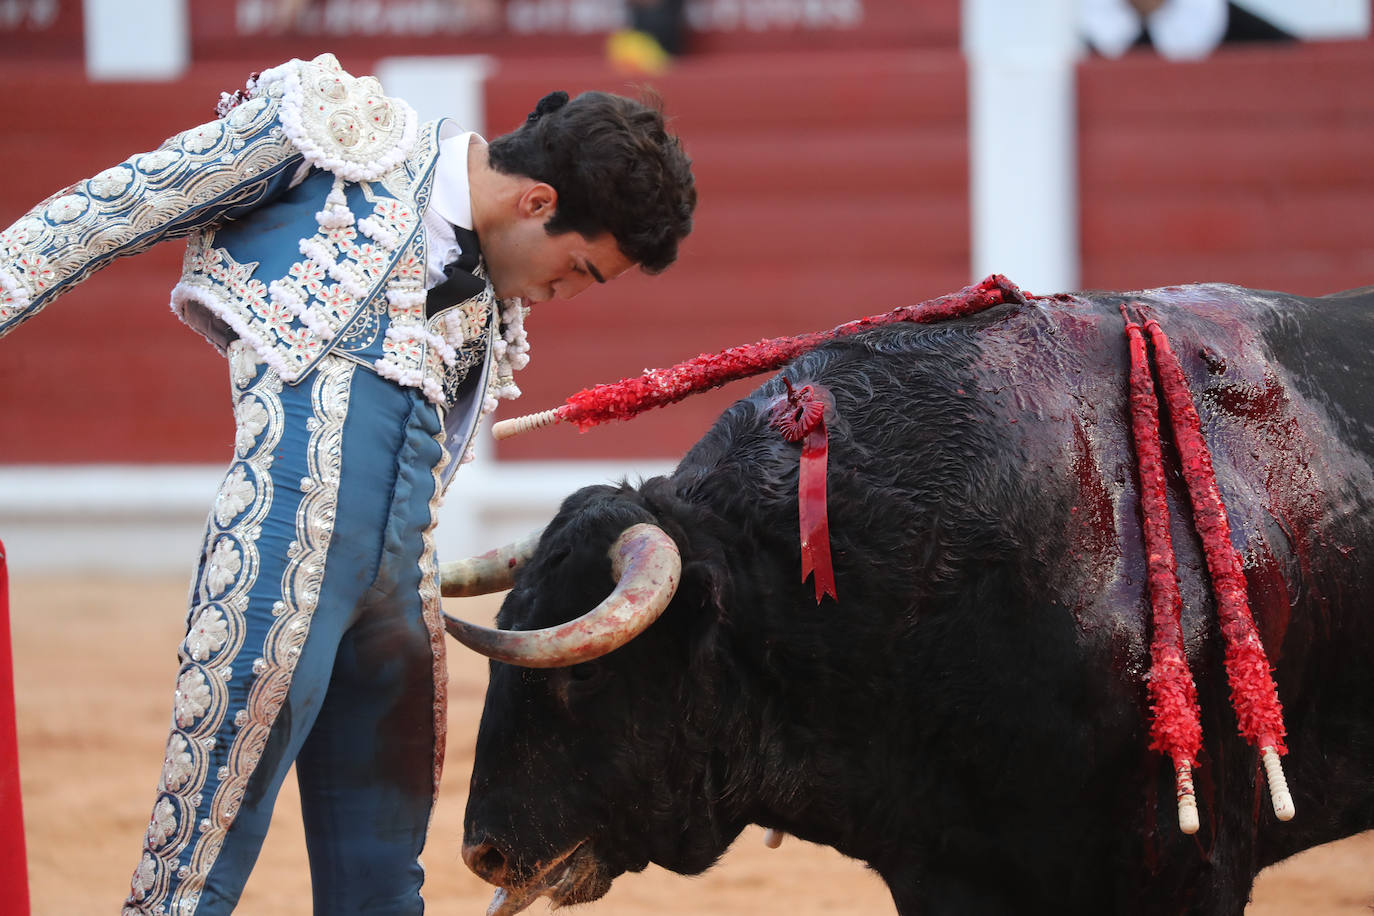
[800, 417]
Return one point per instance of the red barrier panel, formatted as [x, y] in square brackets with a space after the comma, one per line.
[13, 861]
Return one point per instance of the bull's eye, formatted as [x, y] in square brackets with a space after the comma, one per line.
[578, 681]
[586, 673]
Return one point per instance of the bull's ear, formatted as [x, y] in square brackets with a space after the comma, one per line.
[493, 571]
[646, 567]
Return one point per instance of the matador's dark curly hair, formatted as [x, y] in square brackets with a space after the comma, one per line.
[615, 167]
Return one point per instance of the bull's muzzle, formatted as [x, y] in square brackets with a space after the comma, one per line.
[645, 565]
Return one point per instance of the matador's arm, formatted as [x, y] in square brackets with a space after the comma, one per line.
[205, 175]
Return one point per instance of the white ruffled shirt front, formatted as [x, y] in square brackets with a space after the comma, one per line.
[450, 204]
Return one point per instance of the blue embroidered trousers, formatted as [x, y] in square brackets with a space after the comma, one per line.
[313, 637]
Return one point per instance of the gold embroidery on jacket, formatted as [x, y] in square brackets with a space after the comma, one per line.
[433, 613]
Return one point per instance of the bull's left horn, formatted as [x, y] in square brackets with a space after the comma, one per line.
[646, 566]
[493, 571]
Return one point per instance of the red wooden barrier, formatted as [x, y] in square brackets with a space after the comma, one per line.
[13, 861]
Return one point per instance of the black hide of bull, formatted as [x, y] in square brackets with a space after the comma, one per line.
[971, 717]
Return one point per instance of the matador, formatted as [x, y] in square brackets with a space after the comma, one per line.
[366, 277]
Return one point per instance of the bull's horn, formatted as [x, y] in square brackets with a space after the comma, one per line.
[493, 571]
[646, 566]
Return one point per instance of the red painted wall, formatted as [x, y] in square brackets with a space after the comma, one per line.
[538, 29]
[221, 30]
[1252, 167]
[833, 185]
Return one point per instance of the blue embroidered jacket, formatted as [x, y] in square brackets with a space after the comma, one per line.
[303, 205]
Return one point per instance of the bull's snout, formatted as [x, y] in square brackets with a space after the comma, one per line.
[486, 861]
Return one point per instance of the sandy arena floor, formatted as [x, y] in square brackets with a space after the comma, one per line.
[94, 668]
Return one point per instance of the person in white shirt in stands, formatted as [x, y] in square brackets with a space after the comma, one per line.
[1177, 29]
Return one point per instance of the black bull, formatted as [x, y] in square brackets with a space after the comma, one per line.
[971, 717]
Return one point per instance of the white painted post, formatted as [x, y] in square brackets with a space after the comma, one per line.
[136, 39]
[1023, 167]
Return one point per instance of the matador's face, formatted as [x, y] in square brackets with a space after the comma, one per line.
[525, 261]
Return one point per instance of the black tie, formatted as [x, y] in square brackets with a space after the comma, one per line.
[459, 284]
